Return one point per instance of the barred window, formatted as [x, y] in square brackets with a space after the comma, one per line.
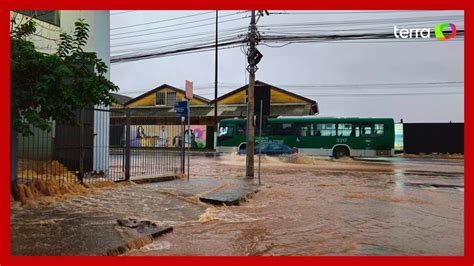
[48, 16]
[160, 98]
[170, 98]
[166, 98]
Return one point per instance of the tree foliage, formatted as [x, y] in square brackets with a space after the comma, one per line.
[54, 86]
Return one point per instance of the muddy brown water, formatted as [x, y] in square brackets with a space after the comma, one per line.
[322, 207]
[306, 206]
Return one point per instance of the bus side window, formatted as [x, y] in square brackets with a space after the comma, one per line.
[345, 130]
[241, 128]
[288, 129]
[355, 132]
[304, 129]
[372, 130]
[367, 130]
[378, 130]
[326, 129]
[283, 129]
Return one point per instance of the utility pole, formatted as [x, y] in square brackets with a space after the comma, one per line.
[215, 84]
[252, 68]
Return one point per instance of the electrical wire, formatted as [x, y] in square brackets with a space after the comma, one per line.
[271, 35]
[377, 94]
[201, 34]
[118, 13]
[172, 25]
[174, 30]
[351, 12]
[164, 20]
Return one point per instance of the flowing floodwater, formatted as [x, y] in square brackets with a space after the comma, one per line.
[306, 206]
[313, 206]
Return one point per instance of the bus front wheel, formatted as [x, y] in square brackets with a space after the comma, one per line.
[340, 152]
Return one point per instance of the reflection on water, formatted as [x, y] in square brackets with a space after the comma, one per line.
[316, 206]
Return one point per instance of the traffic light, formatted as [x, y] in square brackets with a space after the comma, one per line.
[254, 57]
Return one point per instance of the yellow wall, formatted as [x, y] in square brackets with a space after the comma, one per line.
[280, 97]
[235, 98]
[276, 97]
[150, 100]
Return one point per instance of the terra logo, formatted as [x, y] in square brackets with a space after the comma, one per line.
[425, 33]
[439, 31]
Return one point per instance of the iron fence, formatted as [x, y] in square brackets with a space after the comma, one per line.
[100, 145]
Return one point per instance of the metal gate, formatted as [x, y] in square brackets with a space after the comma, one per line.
[152, 148]
[101, 145]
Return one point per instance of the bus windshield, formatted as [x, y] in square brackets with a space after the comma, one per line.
[225, 130]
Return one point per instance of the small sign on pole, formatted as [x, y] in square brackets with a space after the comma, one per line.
[189, 90]
[181, 108]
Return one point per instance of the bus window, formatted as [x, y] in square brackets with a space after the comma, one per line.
[345, 130]
[305, 130]
[241, 129]
[283, 129]
[355, 132]
[378, 129]
[326, 130]
[372, 130]
[225, 131]
[367, 130]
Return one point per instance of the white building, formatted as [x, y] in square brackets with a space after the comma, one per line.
[50, 24]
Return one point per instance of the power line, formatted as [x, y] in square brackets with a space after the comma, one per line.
[373, 86]
[118, 13]
[367, 86]
[173, 30]
[164, 20]
[303, 38]
[351, 23]
[389, 94]
[172, 25]
[303, 28]
[182, 39]
[379, 84]
[352, 12]
[197, 43]
[201, 34]
[193, 50]
[378, 94]
[275, 38]
[335, 37]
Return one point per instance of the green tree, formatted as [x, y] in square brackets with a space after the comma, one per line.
[54, 86]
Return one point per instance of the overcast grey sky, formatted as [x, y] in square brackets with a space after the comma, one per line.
[351, 68]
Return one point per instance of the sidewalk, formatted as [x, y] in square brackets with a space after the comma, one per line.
[88, 224]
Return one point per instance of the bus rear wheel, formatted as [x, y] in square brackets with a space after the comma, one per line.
[340, 152]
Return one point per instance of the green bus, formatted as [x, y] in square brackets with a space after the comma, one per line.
[336, 137]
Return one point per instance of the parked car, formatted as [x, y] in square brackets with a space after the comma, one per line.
[267, 149]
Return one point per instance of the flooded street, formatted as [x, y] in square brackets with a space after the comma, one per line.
[323, 207]
[306, 206]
